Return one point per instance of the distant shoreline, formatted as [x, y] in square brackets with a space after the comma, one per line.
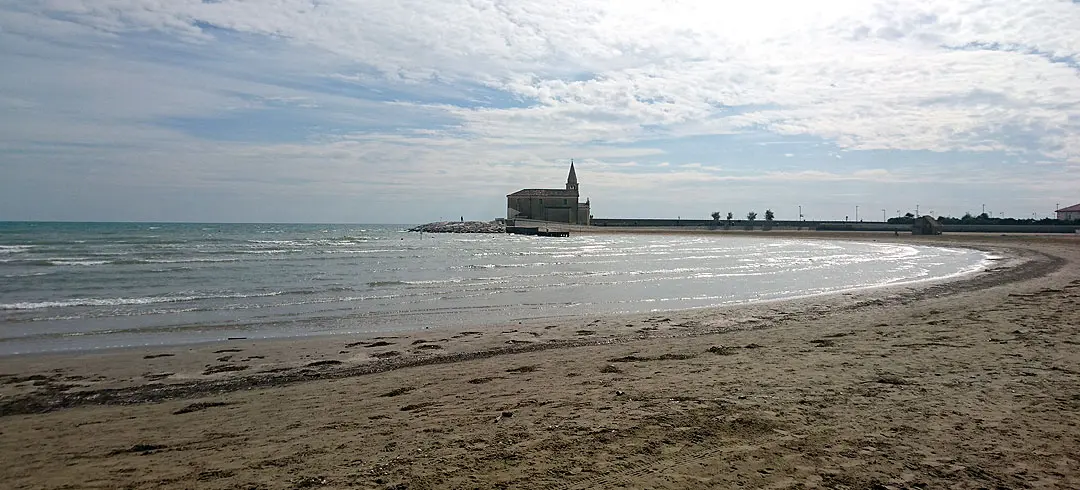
[827, 234]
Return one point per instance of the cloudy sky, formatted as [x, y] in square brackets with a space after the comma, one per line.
[404, 111]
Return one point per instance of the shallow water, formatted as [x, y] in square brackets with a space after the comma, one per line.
[73, 286]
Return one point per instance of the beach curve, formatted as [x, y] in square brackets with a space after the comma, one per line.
[821, 324]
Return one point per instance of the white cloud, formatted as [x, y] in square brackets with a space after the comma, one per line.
[586, 78]
[864, 74]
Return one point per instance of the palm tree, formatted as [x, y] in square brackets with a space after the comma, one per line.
[715, 219]
[769, 215]
[751, 216]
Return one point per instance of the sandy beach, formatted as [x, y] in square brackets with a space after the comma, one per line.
[970, 383]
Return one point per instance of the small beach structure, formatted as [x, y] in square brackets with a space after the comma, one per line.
[926, 225]
[536, 231]
[536, 228]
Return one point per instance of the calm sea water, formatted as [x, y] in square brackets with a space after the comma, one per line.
[74, 286]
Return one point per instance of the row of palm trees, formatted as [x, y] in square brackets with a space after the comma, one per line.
[751, 216]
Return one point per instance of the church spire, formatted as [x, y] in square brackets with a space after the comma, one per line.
[571, 180]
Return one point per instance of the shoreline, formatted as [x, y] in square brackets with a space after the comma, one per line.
[50, 392]
[970, 383]
[62, 322]
[543, 319]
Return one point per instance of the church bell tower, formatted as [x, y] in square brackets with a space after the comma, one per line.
[571, 180]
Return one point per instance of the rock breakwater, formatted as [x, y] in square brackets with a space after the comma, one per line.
[461, 227]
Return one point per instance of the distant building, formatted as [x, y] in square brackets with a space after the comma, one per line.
[559, 205]
[926, 225]
[1070, 213]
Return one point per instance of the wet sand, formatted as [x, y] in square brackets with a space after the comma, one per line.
[964, 384]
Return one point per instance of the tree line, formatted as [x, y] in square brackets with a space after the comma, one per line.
[982, 219]
[750, 218]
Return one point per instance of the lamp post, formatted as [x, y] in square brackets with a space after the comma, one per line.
[856, 213]
[883, 219]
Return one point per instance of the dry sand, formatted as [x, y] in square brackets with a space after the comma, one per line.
[964, 384]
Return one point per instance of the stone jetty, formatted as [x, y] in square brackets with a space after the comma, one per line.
[461, 227]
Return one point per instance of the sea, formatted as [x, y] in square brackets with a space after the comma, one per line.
[86, 286]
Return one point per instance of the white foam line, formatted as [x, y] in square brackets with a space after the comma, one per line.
[124, 301]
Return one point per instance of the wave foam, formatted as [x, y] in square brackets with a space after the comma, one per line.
[125, 301]
[14, 249]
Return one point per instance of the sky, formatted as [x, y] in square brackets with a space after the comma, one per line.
[409, 111]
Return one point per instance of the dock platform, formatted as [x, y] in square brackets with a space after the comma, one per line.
[536, 231]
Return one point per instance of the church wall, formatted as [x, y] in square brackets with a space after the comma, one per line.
[583, 215]
[561, 215]
[560, 209]
[536, 208]
[557, 205]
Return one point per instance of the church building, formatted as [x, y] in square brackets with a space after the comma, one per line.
[560, 205]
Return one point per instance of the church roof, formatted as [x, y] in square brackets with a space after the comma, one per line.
[572, 179]
[1071, 209]
[543, 193]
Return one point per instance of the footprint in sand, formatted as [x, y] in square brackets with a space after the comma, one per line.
[722, 350]
[143, 449]
[416, 406]
[397, 392]
[199, 406]
[155, 356]
[222, 368]
[522, 369]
